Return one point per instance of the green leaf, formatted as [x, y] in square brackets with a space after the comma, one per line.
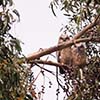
[82, 1]
[17, 13]
[16, 43]
[1, 2]
[67, 14]
[52, 9]
[18, 47]
[10, 2]
[88, 2]
[28, 97]
[98, 10]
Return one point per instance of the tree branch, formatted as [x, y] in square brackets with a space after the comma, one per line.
[49, 63]
[37, 55]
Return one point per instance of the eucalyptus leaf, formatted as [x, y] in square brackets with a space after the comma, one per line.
[52, 8]
[10, 2]
[17, 13]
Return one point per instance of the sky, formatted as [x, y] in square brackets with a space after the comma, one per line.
[38, 28]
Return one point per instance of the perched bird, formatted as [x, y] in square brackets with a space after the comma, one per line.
[78, 55]
[64, 55]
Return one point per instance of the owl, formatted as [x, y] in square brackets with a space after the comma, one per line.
[78, 55]
[64, 55]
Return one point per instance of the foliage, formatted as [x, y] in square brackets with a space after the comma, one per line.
[78, 12]
[13, 72]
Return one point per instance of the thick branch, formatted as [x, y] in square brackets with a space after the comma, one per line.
[37, 55]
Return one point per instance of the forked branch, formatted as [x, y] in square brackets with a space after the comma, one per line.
[37, 55]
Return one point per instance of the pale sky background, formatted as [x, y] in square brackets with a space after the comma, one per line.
[38, 29]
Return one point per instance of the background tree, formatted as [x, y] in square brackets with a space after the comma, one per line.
[13, 71]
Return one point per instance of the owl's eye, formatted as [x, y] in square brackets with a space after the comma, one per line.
[61, 38]
[64, 39]
[67, 38]
[81, 46]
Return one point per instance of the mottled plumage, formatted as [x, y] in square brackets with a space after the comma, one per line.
[78, 55]
[64, 55]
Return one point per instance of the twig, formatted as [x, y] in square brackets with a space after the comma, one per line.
[30, 87]
[45, 69]
[46, 62]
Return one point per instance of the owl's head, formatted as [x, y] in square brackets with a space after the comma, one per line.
[79, 47]
[64, 37]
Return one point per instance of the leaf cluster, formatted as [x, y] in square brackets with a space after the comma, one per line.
[13, 72]
[79, 13]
